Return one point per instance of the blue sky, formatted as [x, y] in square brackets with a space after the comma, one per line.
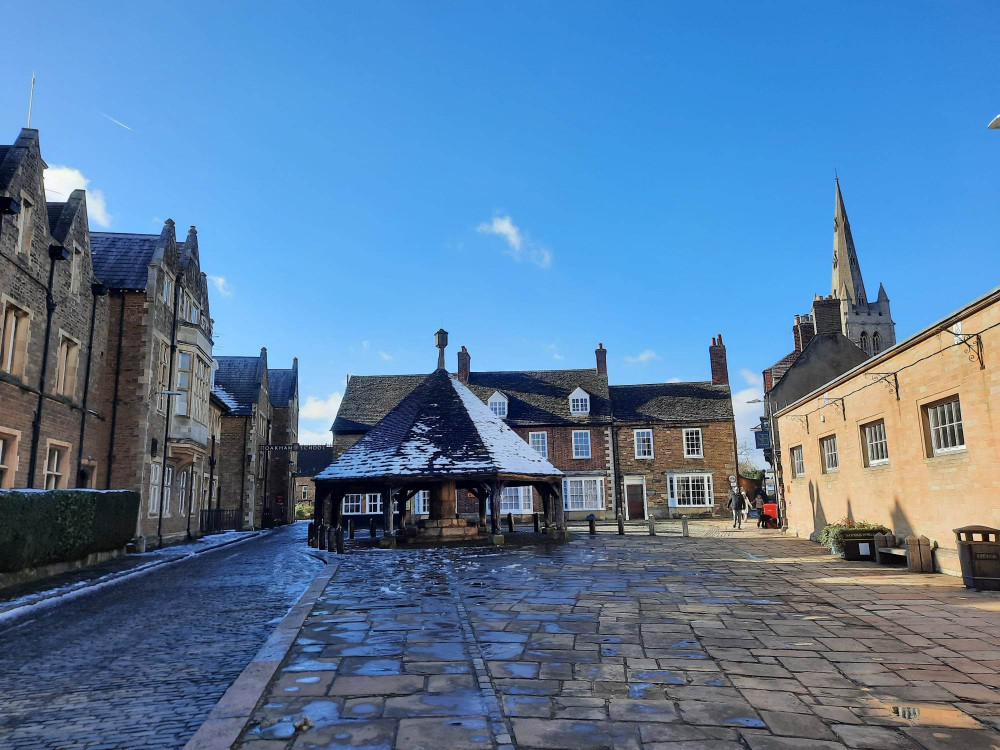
[535, 177]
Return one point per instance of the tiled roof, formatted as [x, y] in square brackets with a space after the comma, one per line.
[313, 460]
[539, 397]
[281, 386]
[441, 429]
[672, 402]
[121, 260]
[239, 379]
[779, 368]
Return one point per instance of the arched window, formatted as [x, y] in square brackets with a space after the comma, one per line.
[876, 343]
[864, 343]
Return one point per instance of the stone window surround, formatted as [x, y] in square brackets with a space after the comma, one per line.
[58, 472]
[926, 407]
[25, 224]
[876, 443]
[11, 440]
[67, 372]
[829, 453]
[798, 463]
[14, 354]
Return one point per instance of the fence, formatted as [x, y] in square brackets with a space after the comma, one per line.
[214, 520]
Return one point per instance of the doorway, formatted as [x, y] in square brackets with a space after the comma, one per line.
[635, 498]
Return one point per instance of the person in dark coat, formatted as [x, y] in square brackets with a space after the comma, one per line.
[736, 504]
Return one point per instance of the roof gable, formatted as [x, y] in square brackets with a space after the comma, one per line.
[238, 382]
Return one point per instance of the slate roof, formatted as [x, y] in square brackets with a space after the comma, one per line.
[313, 460]
[121, 260]
[54, 211]
[535, 397]
[440, 429]
[281, 386]
[672, 402]
[238, 379]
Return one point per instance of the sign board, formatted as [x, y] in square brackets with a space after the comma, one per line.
[295, 447]
[763, 439]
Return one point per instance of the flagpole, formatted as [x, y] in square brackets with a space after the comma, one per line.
[31, 97]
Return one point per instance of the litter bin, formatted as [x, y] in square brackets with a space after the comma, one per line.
[771, 509]
[980, 558]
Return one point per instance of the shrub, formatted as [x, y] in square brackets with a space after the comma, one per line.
[833, 534]
[42, 527]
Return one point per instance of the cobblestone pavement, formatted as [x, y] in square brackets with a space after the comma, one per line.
[139, 664]
[732, 640]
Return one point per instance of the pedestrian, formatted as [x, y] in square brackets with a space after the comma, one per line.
[758, 505]
[746, 506]
[736, 504]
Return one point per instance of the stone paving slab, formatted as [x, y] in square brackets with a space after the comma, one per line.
[723, 640]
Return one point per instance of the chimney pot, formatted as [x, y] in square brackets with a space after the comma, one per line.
[464, 364]
[717, 361]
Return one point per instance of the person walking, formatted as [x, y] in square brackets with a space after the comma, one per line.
[758, 504]
[736, 504]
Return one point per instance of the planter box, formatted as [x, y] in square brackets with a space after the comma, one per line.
[858, 545]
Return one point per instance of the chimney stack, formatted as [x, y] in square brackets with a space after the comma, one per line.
[464, 364]
[717, 360]
[826, 315]
[803, 331]
[602, 359]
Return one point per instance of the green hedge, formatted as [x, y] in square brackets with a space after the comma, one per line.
[42, 527]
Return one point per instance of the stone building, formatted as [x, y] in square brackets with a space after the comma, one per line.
[567, 416]
[283, 391]
[909, 438]
[156, 382]
[53, 321]
[312, 459]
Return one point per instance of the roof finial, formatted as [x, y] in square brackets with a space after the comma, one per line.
[441, 342]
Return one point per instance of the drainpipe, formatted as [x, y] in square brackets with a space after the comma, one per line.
[114, 399]
[265, 455]
[97, 290]
[166, 422]
[56, 252]
[243, 469]
[211, 478]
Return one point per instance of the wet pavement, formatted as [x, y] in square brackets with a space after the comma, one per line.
[140, 663]
[724, 641]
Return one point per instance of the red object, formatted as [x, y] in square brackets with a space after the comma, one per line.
[771, 510]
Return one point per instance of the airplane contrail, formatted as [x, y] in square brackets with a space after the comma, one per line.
[116, 122]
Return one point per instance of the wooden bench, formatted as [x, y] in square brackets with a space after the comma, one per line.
[915, 550]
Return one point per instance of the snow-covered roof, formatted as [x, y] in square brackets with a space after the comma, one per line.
[441, 429]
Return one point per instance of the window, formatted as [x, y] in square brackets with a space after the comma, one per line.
[498, 405]
[643, 443]
[14, 344]
[55, 467]
[66, 366]
[162, 376]
[863, 343]
[828, 449]
[875, 443]
[540, 442]
[168, 481]
[305, 492]
[154, 489]
[583, 494]
[193, 374]
[187, 309]
[515, 500]
[945, 422]
[374, 502]
[182, 480]
[798, 463]
[876, 343]
[421, 502]
[168, 290]
[694, 489]
[579, 402]
[24, 225]
[182, 403]
[352, 504]
[581, 443]
[8, 459]
[692, 443]
[74, 271]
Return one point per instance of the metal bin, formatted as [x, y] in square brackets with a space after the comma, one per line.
[980, 558]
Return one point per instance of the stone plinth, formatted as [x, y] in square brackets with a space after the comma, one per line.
[445, 529]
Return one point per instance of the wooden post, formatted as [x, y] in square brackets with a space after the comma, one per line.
[350, 528]
[621, 525]
[371, 528]
[534, 517]
[387, 510]
[339, 540]
[510, 522]
[546, 505]
[593, 525]
[337, 508]
[495, 489]
[481, 496]
[559, 509]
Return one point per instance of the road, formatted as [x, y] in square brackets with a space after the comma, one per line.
[141, 663]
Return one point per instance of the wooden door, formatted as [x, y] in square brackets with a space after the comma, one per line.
[635, 497]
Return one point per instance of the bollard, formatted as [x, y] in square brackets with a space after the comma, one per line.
[339, 540]
[621, 525]
[371, 529]
[350, 528]
[593, 525]
[311, 534]
[534, 517]
[321, 539]
[684, 527]
[331, 538]
[510, 522]
[652, 526]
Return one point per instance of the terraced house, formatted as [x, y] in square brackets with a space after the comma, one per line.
[676, 435]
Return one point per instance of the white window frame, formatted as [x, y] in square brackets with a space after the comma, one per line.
[829, 454]
[182, 489]
[373, 503]
[516, 500]
[154, 489]
[356, 507]
[579, 402]
[540, 442]
[945, 426]
[681, 486]
[56, 460]
[694, 442]
[876, 443]
[640, 438]
[589, 490]
[499, 404]
[575, 444]
[420, 503]
[798, 462]
[305, 492]
[168, 485]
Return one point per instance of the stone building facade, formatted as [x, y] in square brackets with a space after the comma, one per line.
[909, 438]
[283, 391]
[51, 366]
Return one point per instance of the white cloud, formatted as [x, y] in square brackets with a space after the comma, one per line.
[222, 285]
[365, 346]
[752, 378]
[674, 379]
[558, 356]
[61, 181]
[311, 437]
[321, 408]
[646, 355]
[517, 242]
[385, 356]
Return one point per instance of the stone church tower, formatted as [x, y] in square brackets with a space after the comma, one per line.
[867, 324]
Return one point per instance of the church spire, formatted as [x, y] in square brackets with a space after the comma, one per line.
[847, 281]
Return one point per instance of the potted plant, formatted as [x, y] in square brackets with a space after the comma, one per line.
[852, 540]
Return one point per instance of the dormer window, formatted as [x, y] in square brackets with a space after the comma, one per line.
[498, 404]
[579, 402]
